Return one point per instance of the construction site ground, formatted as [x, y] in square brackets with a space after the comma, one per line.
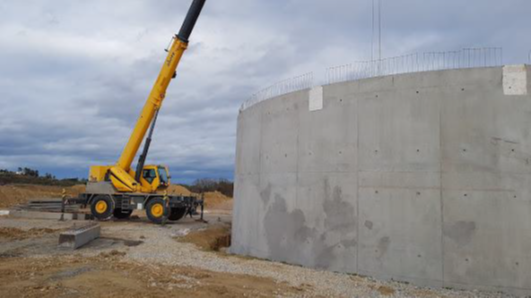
[135, 258]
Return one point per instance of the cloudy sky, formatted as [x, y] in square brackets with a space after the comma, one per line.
[74, 74]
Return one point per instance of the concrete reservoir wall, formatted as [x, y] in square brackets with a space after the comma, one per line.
[424, 178]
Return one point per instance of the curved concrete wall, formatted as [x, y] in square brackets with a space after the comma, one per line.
[421, 177]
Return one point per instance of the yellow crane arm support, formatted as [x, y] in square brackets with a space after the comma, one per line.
[154, 102]
[158, 92]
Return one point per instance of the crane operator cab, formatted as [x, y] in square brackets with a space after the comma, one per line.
[157, 177]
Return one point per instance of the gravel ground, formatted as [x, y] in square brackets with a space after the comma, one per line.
[168, 251]
[159, 246]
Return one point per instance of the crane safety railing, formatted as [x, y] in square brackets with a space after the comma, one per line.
[418, 62]
[297, 83]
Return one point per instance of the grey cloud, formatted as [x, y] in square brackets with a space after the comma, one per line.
[74, 74]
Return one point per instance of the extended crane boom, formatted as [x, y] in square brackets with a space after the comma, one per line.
[158, 92]
[118, 189]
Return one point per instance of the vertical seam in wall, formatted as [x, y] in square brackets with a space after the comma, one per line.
[357, 182]
[260, 164]
[299, 111]
[441, 154]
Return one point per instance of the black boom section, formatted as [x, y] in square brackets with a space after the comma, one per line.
[143, 156]
[191, 19]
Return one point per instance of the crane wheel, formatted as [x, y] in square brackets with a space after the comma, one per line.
[177, 213]
[156, 210]
[119, 214]
[102, 207]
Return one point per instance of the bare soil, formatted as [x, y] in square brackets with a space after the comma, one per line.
[16, 194]
[18, 234]
[107, 275]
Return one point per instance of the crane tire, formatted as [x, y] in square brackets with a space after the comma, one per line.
[156, 210]
[102, 207]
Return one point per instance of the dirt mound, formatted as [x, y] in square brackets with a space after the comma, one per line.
[78, 188]
[217, 200]
[210, 239]
[176, 189]
[16, 194]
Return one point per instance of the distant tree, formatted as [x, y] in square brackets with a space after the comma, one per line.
[224, 186]
[30, 172]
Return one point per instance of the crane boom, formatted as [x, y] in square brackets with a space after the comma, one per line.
[116, 190]
[158, 92]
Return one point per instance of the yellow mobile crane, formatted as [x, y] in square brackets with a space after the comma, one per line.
[117, 190]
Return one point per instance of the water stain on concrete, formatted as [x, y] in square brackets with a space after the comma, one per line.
[286, 232]
[265, 194]
[290, 239]
[383, 246]
[340, 215]
[325, 257]
[460, 232]
[349, 243]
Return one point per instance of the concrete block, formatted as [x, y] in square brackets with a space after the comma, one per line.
[79, 236]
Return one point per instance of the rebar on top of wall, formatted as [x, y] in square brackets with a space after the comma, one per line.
[419, 62]
[429, 61]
